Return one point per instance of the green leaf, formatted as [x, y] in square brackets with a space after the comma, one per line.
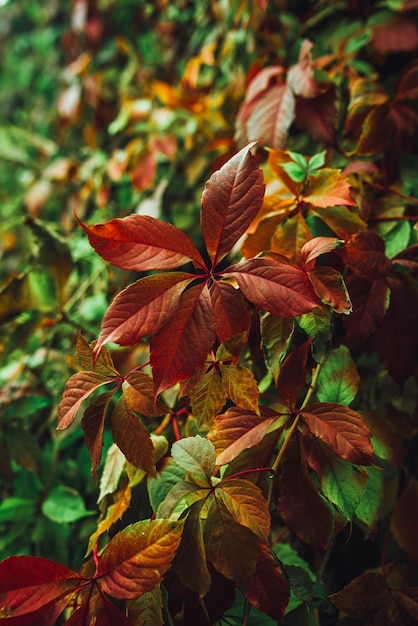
[168, 475]
[338, 378]
[367, 511]
[65, 505]
[295, 171]
[195, 455]
[16, 509]
[298, 158]
[316, 161]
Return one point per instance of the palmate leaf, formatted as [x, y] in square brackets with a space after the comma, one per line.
[341, 428]
[135, 560]
[230, 201]
[142, 243]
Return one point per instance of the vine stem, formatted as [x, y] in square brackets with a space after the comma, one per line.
[292, 429]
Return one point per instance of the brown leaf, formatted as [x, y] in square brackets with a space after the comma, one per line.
[132, 437]
[247, 505]
[404, 519]
[138, 392]
[78, 389]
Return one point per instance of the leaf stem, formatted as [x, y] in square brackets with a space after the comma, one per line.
[249, 471]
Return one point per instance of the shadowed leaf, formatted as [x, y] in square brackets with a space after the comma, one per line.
[132, 438]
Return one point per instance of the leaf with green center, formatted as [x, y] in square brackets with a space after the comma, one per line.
[103, 364]
[136, 559]
[341, 428]
[274, 286]
[132, 437]
[330, 288]
[342, 483]
[195, 455]
[230, 201]
[247, 505]
[183, 494]
[78, 389]
[182, 345]
[338, 379]
[142, 243]
[143, 308]
[232, 548]
[328, 187]
[240, 386]
[236, 430]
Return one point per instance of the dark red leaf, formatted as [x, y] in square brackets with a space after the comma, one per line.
[292, 376]
[274, 286]
[93, 424]
[182, 345]
[396, 341]
[317, 116]
[364, 253]
[300, 505]
[369, 301]
[142, 308]
[77, 389]
[231, 313]
[341, 428]
[142, 243]
[268, 590]
[330, 288]
[317, 246]
[231, 199]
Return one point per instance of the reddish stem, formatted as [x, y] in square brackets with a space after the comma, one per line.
[249, 471]
[96, 559]
[176, 428]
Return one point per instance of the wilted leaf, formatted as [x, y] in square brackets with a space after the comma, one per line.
[136, 559]
[341, 428]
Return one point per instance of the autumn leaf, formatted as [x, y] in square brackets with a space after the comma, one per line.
[328, 187]
[341, 428]
[132, 438]
[331, 289]
[293, 374]
[247, 505]
[195, 455]
[92, 424]
[365, 254]
[208, 396]
[78, 389]
[268, 589]
[404, 513]
[338, 379]
[370, 301]
[138, 391]
[135, 560]
[240, 386]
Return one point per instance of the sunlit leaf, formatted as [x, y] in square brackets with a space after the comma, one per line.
[136, 559]
[208, 397]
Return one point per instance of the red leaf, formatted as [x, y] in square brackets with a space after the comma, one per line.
[143, 172]
[29, 584]
[300, 77]
[315, 247]
[396, 341]
[98, 611]
[181, 347]
[77, 389]
[142, 243]
[364, 253]
[317, 116]
[272, 117]
[231, 313]
[230, 201]
[142, 308]
[341, 428]
[132, 438]
[93, 424]
[274, 286]
[397, 34]
[268, 590]
[136, 559]
[328, 187]
[369, 301]
[301, 507]
[292, 376]
[330, 288]
[138, 392]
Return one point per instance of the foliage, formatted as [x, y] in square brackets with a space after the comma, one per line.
[212, 206]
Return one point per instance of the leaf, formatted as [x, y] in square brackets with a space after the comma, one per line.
[122, 501]
[231, 548]
[29, 584]
[341, 428]
[132, 437]
[247, 505]
[240, 386]
[142, 243]
[290, 237]
[138, 392]
[365, 254]
[136, 559]
[364, 598]
[98, 610]
[404, 514]
[237, 430]
[182, 345]
[168, 475]
[328, 187]
[317, 116]
[274, 286]
[312, 249]
[190, 562]
[92, 424]
[339, 220]
[195, 455]
[231, 313]
[276, 335]
[230, 201]
[367, 510]
[268, 589]
[78, 389]
[103, 363]
[338, 379]
[370, 301]
[293, 374]
[300, 77]
[208, 397]
[342, 483]
[304, 511]
[64, 505]
[330, 288]
[395, 347]
[111, 472]
[146, 610]
[143, 308]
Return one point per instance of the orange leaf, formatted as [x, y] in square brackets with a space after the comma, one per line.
[328, 187]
